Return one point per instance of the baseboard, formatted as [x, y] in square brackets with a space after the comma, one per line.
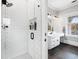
[73, 43]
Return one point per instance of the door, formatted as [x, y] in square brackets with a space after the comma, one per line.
[44, 29]
[14, 38]
[3, 34]
[35, 38]
[37, 42]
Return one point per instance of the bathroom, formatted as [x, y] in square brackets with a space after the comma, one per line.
[62, 30]
[39, 29]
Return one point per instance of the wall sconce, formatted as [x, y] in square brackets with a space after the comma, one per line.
[4, 2]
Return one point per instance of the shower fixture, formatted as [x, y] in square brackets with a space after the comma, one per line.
[5, 2]
[74, 1]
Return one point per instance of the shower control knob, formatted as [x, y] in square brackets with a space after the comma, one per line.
[45, 40]
[4, 26]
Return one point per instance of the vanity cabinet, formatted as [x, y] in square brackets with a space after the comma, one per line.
[54, 39]
[53, 42]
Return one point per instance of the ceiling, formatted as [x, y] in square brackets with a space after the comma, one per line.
[60, 5]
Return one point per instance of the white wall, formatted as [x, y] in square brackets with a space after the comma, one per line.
[18, 41]
[16, 36]
[57, 24]
[73, 11]
[69, 12]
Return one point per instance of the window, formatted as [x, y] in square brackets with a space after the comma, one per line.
[72, 25]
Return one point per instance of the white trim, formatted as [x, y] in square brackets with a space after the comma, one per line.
[70, 42]
[71, 35]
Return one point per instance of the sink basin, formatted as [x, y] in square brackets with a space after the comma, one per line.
[55, 34]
